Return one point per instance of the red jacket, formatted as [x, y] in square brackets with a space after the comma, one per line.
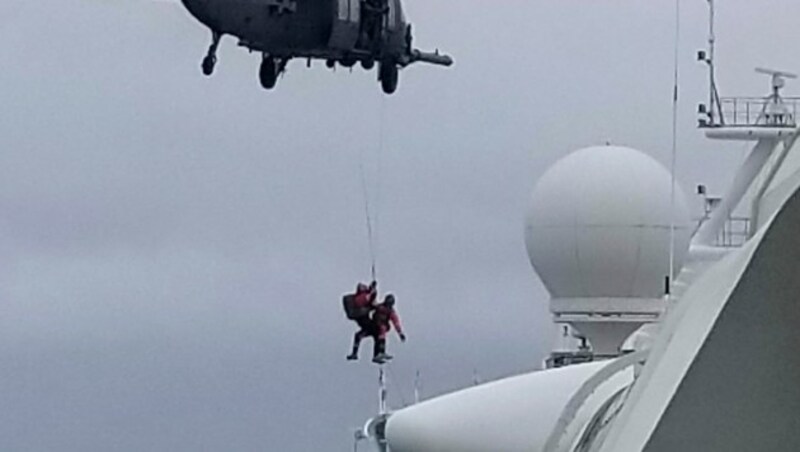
[384, 317]
[365, 299]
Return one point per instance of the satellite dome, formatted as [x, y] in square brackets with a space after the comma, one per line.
[598, 225]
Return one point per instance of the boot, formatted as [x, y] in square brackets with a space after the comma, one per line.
[353, 356]
[380, 356]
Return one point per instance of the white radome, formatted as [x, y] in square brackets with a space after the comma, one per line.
[598, 225]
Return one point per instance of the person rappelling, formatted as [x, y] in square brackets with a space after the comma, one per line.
[358, 306]
[383, 318]
[374, 320]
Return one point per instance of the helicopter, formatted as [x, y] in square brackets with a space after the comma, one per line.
[344, 32]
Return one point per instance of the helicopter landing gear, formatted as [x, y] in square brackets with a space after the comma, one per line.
[368, 64]
[210, 59]
[389, 76]
[208, 64]
[271, 69]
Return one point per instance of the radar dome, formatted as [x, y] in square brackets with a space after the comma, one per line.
[598, 225]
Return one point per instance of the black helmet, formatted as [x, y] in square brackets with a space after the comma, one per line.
[389, 300]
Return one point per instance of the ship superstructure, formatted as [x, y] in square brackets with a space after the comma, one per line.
[687, 330]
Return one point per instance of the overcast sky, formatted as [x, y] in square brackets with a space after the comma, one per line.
[173, 249]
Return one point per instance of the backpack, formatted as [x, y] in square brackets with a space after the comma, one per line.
[350, 310]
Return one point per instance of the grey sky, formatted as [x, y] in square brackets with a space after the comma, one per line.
[173, 248]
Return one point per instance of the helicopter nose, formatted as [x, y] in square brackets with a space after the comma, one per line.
[198, 8]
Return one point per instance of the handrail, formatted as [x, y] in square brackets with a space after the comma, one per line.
[586, 390]
[758, 112]
[601, 419]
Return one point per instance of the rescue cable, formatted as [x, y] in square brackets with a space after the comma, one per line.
[372, 221]
[370, 235]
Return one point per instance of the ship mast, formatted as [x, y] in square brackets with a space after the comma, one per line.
[768, 121]
[715, 116]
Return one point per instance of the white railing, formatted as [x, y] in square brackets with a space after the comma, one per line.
[560, 440]
[756, 112]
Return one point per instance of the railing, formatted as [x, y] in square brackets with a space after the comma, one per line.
[757, 112]
[560, 440]
[563, 359]
[734, 232]
[604, 416]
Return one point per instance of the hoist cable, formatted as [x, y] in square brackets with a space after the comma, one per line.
[368, 217]
[372, 210]
[379, 175]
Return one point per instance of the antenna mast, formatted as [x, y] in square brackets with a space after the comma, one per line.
[381, 391]
[417, 384]
[715, 106]
[375, 428]
[712, 41]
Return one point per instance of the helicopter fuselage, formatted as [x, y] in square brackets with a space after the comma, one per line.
[328, 29]
[344, 32]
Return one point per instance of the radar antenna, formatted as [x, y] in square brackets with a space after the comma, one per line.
[775, 111]
[778, 81]
[743, 112]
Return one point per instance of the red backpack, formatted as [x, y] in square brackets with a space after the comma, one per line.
[351, 310]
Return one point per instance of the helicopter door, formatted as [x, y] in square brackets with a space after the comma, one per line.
[346, 24]
[391, 24]
[396, 18]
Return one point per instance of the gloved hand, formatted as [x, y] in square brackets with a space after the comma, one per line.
[402, 337]
[373, 285]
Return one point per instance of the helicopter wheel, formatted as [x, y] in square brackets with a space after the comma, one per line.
[268, 74]
[389, 77]
[368, 64]
[210, 60]
[208, 64]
